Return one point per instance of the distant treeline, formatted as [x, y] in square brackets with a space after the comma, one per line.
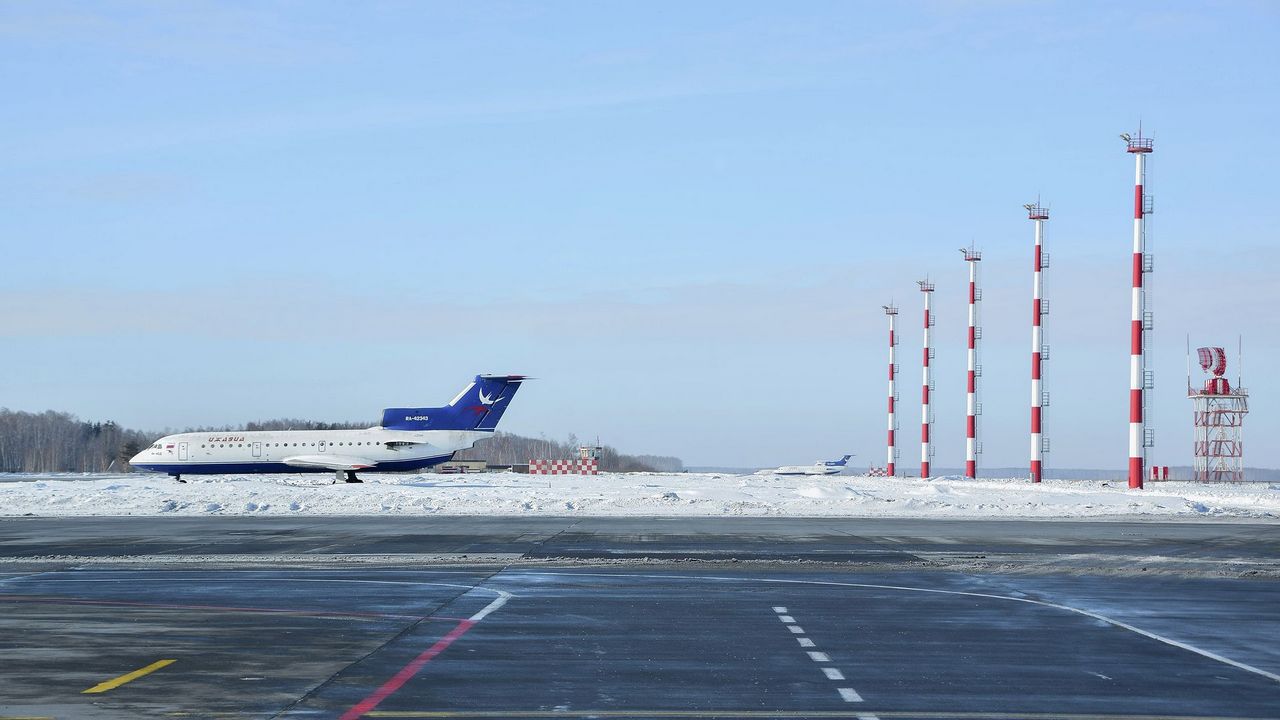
[61, 442]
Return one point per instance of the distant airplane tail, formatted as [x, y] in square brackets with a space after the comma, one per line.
[479, 406]
[838, 463]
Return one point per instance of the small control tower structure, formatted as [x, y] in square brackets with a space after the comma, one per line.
[1219, 421]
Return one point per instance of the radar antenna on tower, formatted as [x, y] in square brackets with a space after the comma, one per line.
[1219, 421]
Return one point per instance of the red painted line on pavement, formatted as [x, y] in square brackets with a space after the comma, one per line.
[407, 672]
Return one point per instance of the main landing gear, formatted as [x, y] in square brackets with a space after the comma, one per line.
[179, 478]
[346, 476]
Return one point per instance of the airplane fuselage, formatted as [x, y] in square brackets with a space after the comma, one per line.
[808, 470]
[409, 438]
[293, 451]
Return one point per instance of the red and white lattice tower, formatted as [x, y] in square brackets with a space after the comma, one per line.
[892, 454]
[1140, 378]
[926, 408]
[1039, 351]
[972, 409]
[1219, 421]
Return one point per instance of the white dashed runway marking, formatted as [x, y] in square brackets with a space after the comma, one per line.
[850, 695]
[846, 693]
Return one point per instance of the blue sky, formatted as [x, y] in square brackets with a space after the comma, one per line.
[682, 217]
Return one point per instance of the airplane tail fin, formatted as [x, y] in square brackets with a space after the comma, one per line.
[479, 406]
[838, 463]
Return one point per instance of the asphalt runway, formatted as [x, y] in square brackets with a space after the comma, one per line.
[1091, 545]
[226, 618]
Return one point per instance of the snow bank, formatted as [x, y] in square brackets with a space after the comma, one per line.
[666, 494]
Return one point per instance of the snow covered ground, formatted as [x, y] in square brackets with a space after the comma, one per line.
[667, 494]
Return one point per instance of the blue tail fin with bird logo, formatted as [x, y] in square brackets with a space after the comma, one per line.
[479, 406]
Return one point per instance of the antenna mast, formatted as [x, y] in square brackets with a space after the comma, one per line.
[926, 410]
[1141, 379]
[891, 311]
[1039, 351]
[972, 407]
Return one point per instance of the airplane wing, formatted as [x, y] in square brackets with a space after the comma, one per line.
[330, 462]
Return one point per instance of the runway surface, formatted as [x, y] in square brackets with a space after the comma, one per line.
[343, 618]
[1251, 545]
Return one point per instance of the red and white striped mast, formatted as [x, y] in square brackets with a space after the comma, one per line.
[890, 464]
[1139, 318]
[971, 447]
[1039, 308]
[926, 413]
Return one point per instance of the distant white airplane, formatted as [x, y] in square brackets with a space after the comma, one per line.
[821, 467]
[407, 439]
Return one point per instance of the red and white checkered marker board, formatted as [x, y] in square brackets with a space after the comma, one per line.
[590, 466]
[878, 472]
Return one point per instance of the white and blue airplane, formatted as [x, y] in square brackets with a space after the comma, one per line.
[822, 467]
[407, 439]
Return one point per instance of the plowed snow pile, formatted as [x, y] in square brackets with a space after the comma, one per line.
[669, 494]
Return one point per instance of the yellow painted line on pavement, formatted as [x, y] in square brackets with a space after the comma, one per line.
[128, 677]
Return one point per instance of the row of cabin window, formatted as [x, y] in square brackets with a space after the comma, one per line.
[294, 445]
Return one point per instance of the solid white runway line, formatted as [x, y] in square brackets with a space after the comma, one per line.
[503, 597]
[23, 576]
[407, 673]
